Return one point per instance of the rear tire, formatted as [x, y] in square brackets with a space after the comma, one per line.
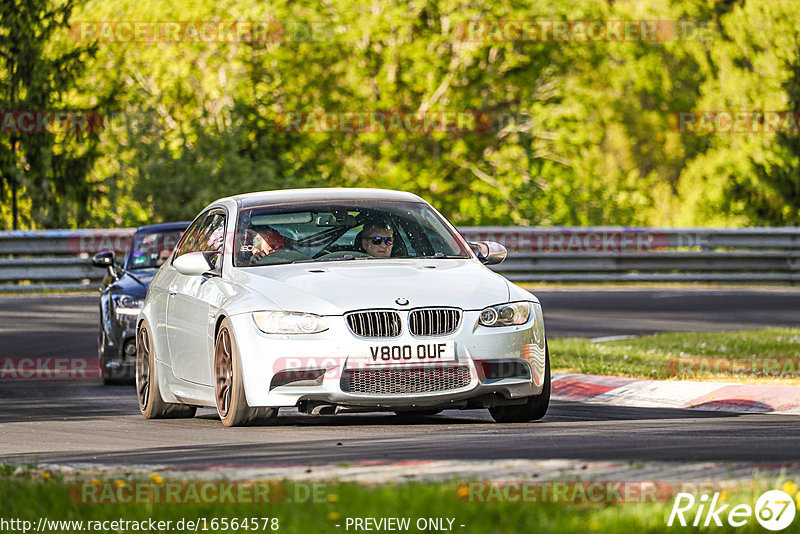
[151, 404]
[534, 409]
[229, 393]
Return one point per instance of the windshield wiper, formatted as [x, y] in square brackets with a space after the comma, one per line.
[437, 256]
[346, 257]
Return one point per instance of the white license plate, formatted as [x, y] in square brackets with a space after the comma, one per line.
[425, 352]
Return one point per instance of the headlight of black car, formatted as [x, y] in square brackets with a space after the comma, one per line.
[126, 307]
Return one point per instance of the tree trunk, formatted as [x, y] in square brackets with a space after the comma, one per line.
[14, 214]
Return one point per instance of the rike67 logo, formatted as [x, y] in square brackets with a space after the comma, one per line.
[774, 510]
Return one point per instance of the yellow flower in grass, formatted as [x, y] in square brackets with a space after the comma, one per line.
[157, 479]
[332, 497]
[723, 496]
[462, 492]
[333, 516]
[46, 475]
[797, 500]
[789, 487]
[120, 483]
[96, 482]
[594, 526]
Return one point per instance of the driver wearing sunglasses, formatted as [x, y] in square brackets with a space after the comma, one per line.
[376, 239]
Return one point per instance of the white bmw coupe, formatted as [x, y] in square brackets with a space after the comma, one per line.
[334, 300]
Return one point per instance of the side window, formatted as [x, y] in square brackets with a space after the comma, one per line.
[190, 237]
[207, 234]
[214, 238]
[211, 235]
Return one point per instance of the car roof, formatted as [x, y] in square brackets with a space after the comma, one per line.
[164, 227]
[334, 194]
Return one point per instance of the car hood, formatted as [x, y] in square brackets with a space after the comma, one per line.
[333, 288]
[129, 286]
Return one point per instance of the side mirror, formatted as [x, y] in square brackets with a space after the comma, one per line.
[105, 260]
[489, 252]
[195, 264]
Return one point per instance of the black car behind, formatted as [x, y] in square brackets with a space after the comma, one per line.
[123, 292]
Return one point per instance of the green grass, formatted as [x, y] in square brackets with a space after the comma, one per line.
[30, 497]
[766, 356]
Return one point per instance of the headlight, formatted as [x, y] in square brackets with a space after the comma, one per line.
[275, 322]
[126, 305]
[506, 314]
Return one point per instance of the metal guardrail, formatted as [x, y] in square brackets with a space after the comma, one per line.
[61, 259]
[644, 254]
[38, 260]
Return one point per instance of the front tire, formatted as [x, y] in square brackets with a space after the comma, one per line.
[534, 409]
[151, 404]
[231, 402]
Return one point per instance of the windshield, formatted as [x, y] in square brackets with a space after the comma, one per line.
[150, 250]
[346, 231]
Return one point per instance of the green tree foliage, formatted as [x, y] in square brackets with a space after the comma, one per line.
[50, 170]
[583, 132]
[778, 200]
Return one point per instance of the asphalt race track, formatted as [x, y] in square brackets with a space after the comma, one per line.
[80, 421]
[83, 422]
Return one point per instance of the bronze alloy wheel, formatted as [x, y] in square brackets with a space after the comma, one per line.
[150, 402]
[142, 366]
[229, 383]
[223, 365]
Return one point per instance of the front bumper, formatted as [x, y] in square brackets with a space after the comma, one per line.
[495, 366]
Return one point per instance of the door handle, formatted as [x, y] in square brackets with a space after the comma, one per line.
[173, 290]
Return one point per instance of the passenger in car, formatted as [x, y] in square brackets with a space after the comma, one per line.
[163, 256]
[265, 242]
[376, 238]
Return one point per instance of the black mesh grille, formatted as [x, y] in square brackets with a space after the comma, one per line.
[434, 321]
[394, 381]
[374, 323]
